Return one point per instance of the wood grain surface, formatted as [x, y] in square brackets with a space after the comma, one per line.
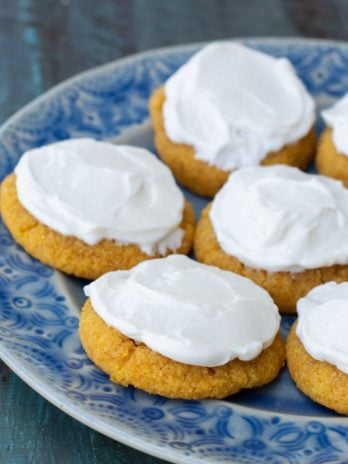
[43, 42]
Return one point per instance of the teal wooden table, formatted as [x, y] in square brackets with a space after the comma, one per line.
[44, 42]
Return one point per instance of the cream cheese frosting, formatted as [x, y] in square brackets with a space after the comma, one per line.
[279, 218]
[95, 190]
[323, 322]
[234, 105]
[336, 117]
[187, 311]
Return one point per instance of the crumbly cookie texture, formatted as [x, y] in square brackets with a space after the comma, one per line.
[285, 288]
[131, 363]
[319, 380]
[202, 178]
[329, 161]
[69, 254]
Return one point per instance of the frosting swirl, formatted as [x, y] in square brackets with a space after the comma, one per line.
[322, 323]
[234, 105]
[336, 117]
[96, 190]
[190, 312]
[279, 218]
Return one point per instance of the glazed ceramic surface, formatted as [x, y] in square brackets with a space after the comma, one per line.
[39, 307]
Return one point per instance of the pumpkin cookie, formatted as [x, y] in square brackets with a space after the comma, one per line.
[317, 346]
[172, 344]
[332, 154]
[273, 226]
[329, 161]
[201, 132]
[88, 236]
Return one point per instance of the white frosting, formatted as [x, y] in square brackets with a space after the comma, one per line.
[96, 190]
[190, 312]
[234, 105]
[279, 218]
[336, 117]
[322, 323]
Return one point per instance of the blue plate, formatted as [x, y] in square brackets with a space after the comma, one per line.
[39, 307]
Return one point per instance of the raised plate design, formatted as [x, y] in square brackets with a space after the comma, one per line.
[39, 307]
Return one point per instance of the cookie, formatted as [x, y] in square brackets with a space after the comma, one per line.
[181, 329]
[67, 253]
[332, 153]
[319, 380]
[130, 363]
[317, 350]
[282, 228]
[329, 161]
[203, 178]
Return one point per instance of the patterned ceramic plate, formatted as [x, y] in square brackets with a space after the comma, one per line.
[39, 308]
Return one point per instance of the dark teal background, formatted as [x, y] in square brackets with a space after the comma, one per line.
[42, 43]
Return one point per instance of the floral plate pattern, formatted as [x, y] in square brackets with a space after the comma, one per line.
[39, 307]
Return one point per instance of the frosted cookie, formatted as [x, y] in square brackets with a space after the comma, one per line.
[332, 154]
[284, 229]
[181, 329]
[88, 207]
[317, 349]
[229, 107]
